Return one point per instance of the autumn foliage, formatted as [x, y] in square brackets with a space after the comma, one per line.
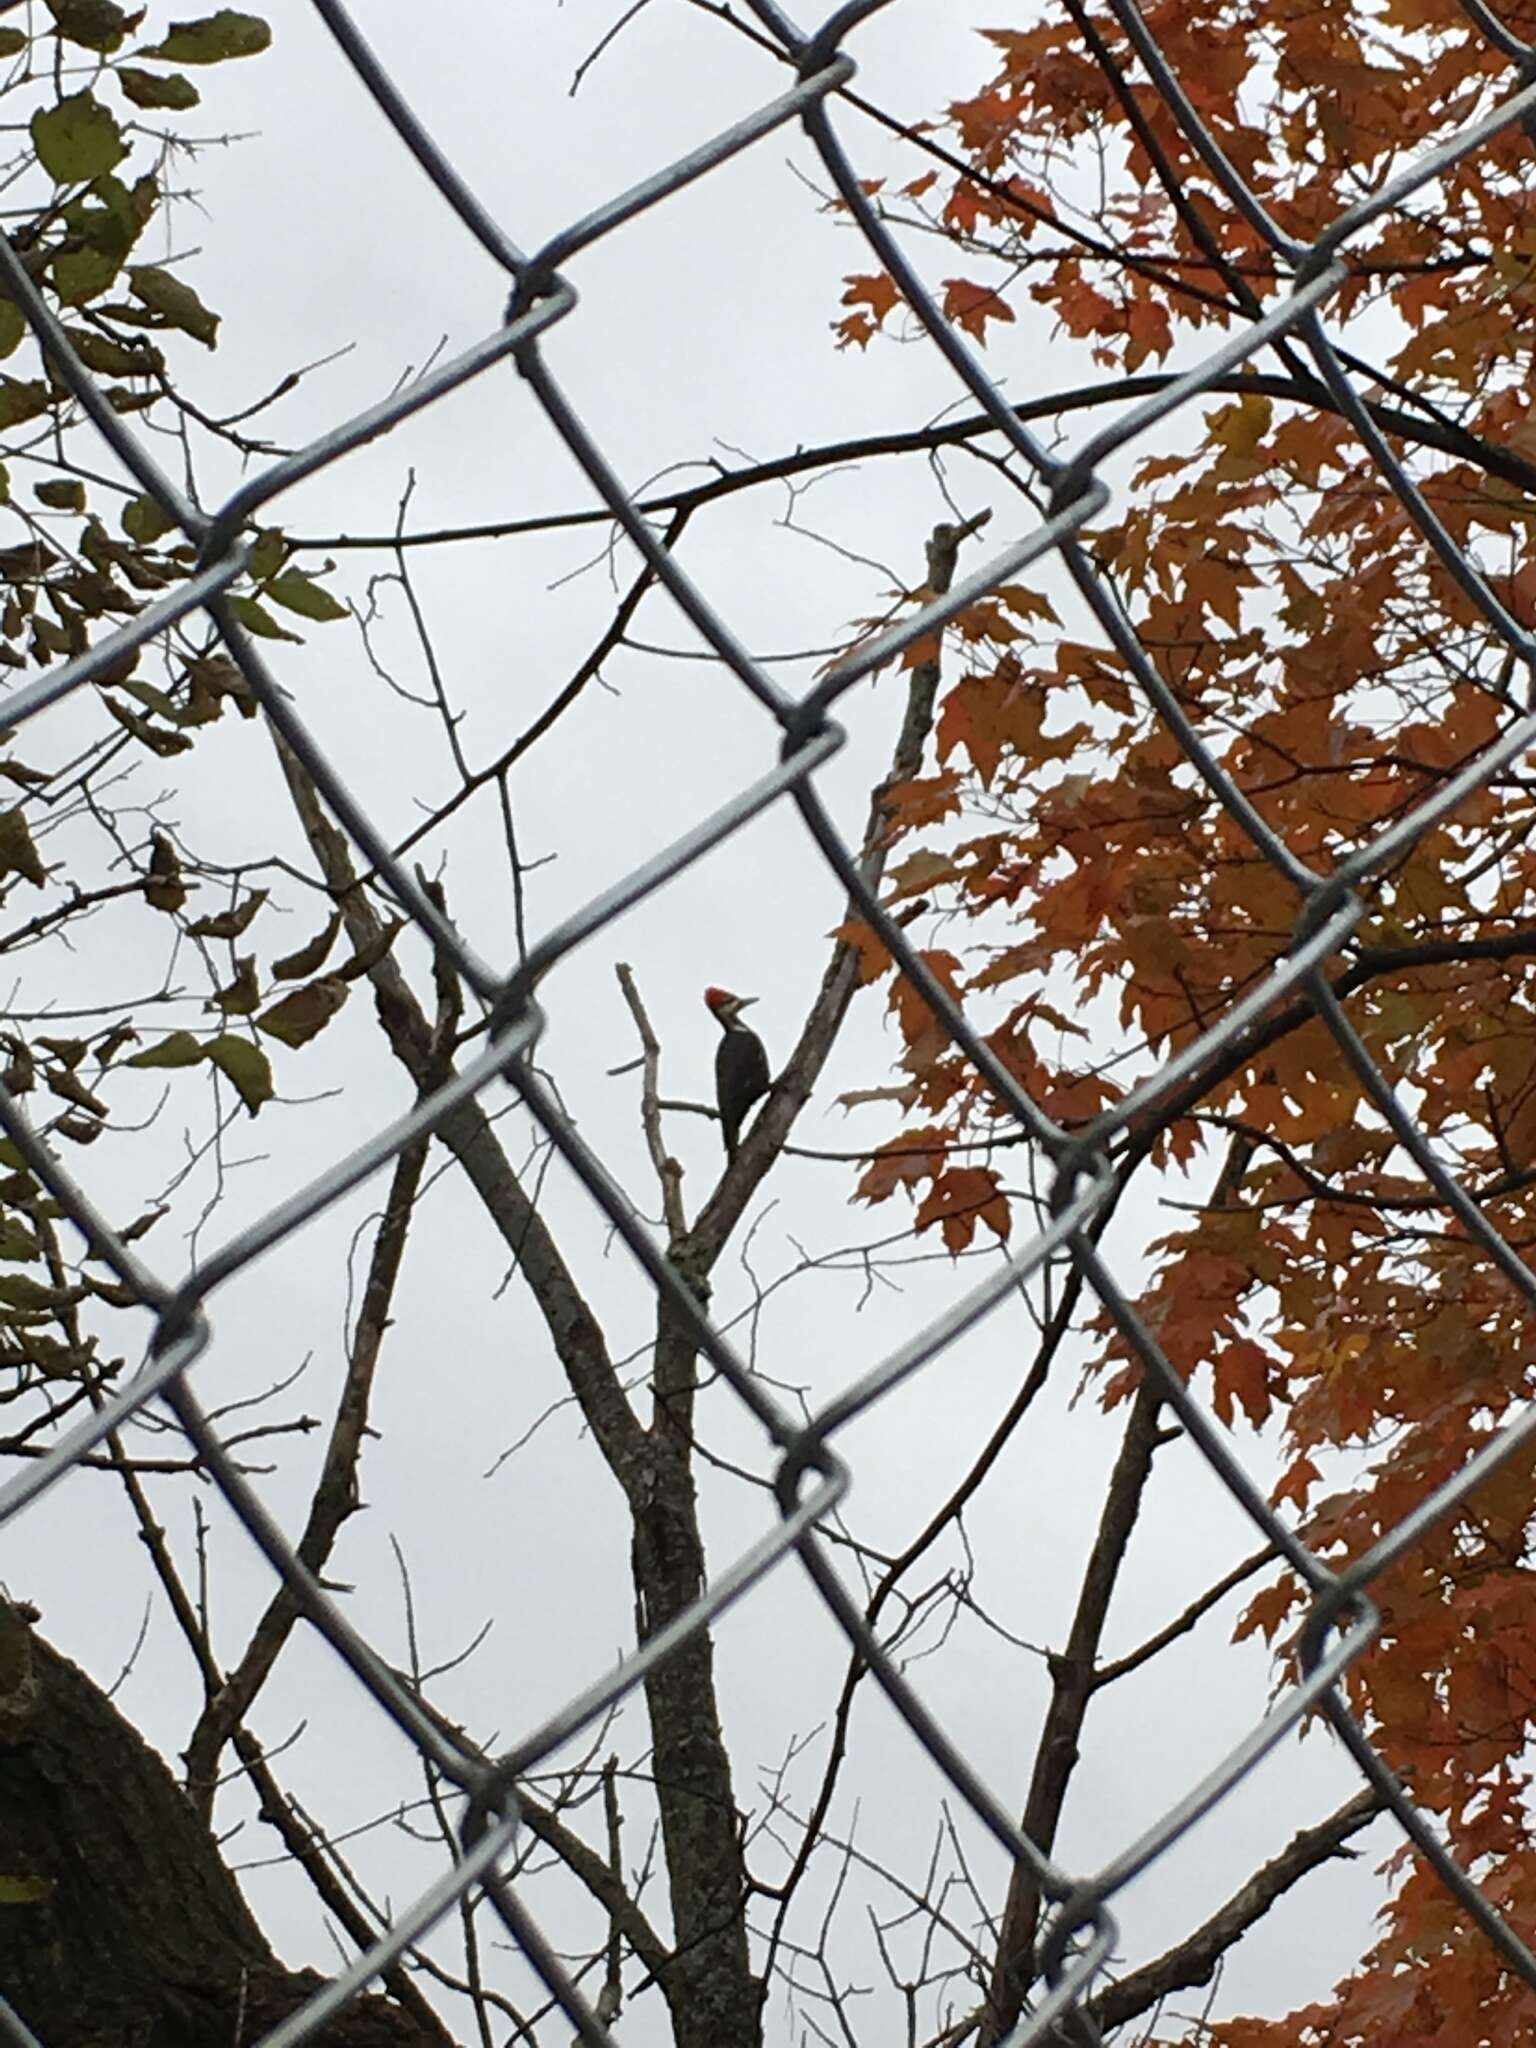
[1101, 908]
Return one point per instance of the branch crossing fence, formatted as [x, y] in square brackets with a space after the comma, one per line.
[811, 1477]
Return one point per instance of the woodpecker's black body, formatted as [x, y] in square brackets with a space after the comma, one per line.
[741, 1065]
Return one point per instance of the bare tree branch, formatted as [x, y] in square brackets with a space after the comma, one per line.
[1073, 1675]
[669, 1172]
[1183, 1623]
[336, 1495]
[467, 1132]
[1193, 1960]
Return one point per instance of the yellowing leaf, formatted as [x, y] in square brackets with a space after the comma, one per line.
[176, 1049]
[149, 89]
[213, 39]
[298, 594]
[242, 995]
[229, 924]
[245, 1065]
[257, 620]
[18, 856]
[309, 958]
[155, 737]
[175, 302]
[1241, 426]
[299, 1017]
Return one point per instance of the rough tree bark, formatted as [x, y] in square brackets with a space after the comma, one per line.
[120, 1924]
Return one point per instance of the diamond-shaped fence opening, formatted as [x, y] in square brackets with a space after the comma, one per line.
[1068, 1995]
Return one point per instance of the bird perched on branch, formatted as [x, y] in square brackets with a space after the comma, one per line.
[741, 1065]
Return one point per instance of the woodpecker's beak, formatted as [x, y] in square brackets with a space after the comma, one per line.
[742, 1001]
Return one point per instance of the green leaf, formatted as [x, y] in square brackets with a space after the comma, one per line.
[94, 24]
[17, 1240]
[261, 623]
[20, 1290]
[84, 274]
[297, 594]
[148, 89]
[144, 521]
[13, 327]
[176, 1049]
[104, 218]
[245, 1065]
[104, 225]
[240, 997]
[77, 140]
[213, 39]
[176, 303]
[18, 856]
[63, 494]
[299, 1017]
[22, 401]
[268, 553]
[153, 699]
[25, 1891]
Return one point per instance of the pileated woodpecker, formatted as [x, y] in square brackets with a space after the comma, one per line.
[741, 1065]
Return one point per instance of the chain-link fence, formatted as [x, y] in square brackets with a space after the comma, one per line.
[810, 1475]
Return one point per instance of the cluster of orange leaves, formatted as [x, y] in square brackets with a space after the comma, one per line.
[1339, 674]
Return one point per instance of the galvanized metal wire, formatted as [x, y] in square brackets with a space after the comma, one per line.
[811, 1477]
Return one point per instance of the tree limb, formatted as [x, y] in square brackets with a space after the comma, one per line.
[669, 1172]
[1193, 1960]
[761, 1145]
[1057, 1754]
[469, 1135]
[336, 1495]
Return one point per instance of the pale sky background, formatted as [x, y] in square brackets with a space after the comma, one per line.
[703, 329]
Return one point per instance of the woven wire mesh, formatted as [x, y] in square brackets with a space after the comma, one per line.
[811, 1477]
